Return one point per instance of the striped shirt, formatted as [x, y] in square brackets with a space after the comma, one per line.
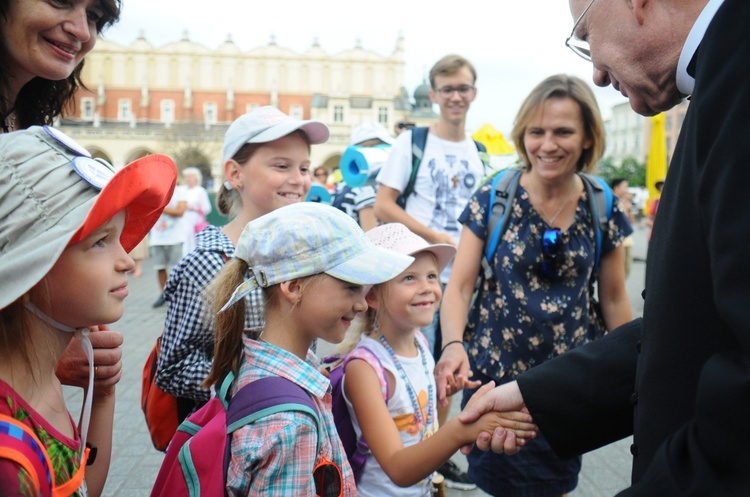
[276, 455]
[187, 346]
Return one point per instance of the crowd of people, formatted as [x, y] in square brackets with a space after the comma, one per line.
[524, 312]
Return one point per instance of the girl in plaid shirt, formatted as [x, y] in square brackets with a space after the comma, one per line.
[313, 264]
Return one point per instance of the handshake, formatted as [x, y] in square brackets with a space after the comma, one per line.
[497, 414]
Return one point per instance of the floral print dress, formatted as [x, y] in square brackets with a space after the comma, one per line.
[521, 318]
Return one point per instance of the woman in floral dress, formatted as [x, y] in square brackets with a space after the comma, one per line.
[540, 301]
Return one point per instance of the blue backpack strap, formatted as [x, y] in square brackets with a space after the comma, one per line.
[504, 186]
[600, 204]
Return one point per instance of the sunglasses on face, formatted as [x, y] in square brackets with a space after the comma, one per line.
[551, 253]
[328, 479]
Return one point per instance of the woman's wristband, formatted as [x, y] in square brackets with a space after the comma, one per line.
[449, 344]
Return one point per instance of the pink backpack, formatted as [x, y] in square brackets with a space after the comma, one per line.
[191, 466]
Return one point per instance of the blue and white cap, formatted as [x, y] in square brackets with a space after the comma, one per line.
[309, 238]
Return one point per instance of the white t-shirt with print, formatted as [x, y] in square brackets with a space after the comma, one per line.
[448, 175]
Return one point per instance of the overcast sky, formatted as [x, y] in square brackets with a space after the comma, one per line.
[514, 45]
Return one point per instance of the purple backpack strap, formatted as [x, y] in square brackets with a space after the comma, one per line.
[264, 397]
[266, 393]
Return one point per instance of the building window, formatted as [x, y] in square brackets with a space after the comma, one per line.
[210, 115]
[296, 111]
[383, 115]
[251, 107]
[124, 109]
[87, 109]
[167, 111]
[338, 113]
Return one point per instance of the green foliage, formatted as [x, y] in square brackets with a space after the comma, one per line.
[629, 168]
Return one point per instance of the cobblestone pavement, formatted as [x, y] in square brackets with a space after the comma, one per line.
[135, 462]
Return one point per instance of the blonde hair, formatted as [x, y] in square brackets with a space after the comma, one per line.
[563, 86]
[17, 333]
[229, 326]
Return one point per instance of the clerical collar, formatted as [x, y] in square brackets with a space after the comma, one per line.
[685, 80]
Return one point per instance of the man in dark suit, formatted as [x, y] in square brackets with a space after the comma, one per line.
[679, 380]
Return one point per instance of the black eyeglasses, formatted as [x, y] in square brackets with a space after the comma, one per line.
[328, 479]
[580, 47]
[551, 253]
[405, 125]
[447, 91]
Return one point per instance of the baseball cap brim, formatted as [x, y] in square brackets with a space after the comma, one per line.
[373, 266]
[142, 189]
[316, 132]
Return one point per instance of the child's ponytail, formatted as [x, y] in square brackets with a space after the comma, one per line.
[228, 325]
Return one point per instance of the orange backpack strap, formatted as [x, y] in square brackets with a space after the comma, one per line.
[19, 443]
[71, 486]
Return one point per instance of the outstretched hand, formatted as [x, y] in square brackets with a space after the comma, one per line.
[452, 373]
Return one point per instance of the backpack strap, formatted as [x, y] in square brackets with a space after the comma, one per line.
[483, 156]
[367, 355]
[600, 204]
[504, 186]
[18, 443]
[262, 398]
[418, 142]
[268, 396]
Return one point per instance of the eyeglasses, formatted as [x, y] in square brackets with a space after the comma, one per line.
[328, 479]
[406, 125]
[580, 47]
[447, 91]
[551, 249]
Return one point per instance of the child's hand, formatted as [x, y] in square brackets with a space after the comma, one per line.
[457, 382]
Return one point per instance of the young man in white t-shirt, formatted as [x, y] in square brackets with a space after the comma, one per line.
[449, 173]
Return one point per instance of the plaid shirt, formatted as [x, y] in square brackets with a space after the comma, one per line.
[187, 345]
[276, 455]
